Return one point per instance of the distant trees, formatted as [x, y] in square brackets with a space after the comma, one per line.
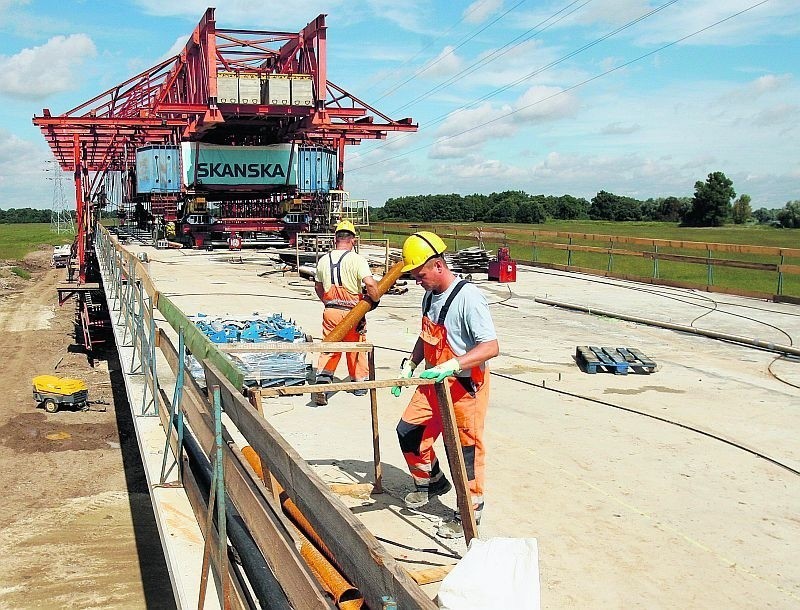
[741, 210]
[23, 215]
[789, 216]
[709, 207]
[608, 206]
[711, 204]
[506, 206]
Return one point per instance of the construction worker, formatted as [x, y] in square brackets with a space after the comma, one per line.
[457, 339]
[340, 274]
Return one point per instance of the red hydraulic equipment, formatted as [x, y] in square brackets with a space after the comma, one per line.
[178, 101]
[503, 269]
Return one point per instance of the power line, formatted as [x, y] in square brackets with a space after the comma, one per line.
[568, 89]
[536, 72]
[474, 8]
[427, 67]
[498, 53]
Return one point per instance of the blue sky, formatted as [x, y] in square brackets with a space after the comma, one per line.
[498, 87]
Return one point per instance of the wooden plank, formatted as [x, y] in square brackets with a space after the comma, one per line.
[373, 411]
[277, 346]
[455, 457]
[793, 269]
[717, 262]
[199, 507]
[428, 575]
[345, 386]
[364, 560]
[262, 515]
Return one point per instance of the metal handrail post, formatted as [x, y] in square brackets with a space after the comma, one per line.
[152, 361]
[780, 276]
[137, 333]
[176, 415]
[216, 500]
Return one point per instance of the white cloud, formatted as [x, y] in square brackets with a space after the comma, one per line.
[467, 130]
[175, 48]
[38, 72]
[775, 18]
[23, 180]
[445, 64]
[409, 15]
[480, 10]
[617, 128]
[780, 114]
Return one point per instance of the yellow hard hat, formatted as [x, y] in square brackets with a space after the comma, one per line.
[419, 247]
[345, 225]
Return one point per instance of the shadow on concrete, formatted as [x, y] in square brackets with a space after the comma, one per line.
[152, 565]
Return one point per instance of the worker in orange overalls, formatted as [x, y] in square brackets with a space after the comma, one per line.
[339, 278]
[457, 339]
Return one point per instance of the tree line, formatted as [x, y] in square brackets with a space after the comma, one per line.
[712, 205]
[24, 215]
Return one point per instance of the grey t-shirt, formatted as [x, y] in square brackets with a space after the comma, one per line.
[468, 321]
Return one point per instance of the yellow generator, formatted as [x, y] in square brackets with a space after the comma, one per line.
[53, 392]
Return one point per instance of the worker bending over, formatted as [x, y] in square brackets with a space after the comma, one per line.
[339, 278]
[457, 339]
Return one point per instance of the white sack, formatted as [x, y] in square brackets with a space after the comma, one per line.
[495, 573]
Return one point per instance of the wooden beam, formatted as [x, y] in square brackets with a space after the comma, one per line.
[275, 346]
[345, 386]
[264, 518]
[364, 560]
[428, 575]
[455, 457]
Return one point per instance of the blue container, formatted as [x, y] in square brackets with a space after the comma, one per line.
[158, 169]
[317, 169]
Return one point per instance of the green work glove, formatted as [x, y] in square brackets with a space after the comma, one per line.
[443, 370]
[407, 367]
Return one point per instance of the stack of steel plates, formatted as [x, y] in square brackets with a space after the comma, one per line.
[263, 369]
[469, 260]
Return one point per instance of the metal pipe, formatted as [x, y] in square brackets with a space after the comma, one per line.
[354, 316]
[265, 585]
[772, 347]
[328, 575]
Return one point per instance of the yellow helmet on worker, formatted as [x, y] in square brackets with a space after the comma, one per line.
[420, 247]
[345, 225]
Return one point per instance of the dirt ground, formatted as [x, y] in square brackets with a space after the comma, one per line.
[76, 525]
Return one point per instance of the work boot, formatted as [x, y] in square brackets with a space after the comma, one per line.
[360, 391]
[454, 528]
[321, 398]
[423, 495]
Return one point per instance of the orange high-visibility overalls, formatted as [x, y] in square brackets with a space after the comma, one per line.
[421, 423]
[338, 302]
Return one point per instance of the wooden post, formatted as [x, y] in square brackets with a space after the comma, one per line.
[376, 443]
[455, 458]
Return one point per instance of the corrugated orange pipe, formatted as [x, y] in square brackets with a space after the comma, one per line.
[344, 594]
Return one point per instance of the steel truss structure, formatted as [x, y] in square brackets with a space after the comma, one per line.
[177, 101]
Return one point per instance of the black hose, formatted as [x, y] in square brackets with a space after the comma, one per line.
[264, 583]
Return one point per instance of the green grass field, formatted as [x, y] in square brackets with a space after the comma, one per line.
[695, 273]
[17, 240]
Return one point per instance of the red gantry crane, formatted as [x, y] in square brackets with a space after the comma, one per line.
[227, 87]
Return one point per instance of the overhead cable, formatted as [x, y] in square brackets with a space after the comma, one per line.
[430, 65]
[563, 91]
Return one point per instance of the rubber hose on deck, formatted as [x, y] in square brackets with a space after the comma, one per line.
[266, 587]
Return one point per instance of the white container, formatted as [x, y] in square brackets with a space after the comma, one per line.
[302, 90]
[278, 89]
[227, 88]
[249, 88]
